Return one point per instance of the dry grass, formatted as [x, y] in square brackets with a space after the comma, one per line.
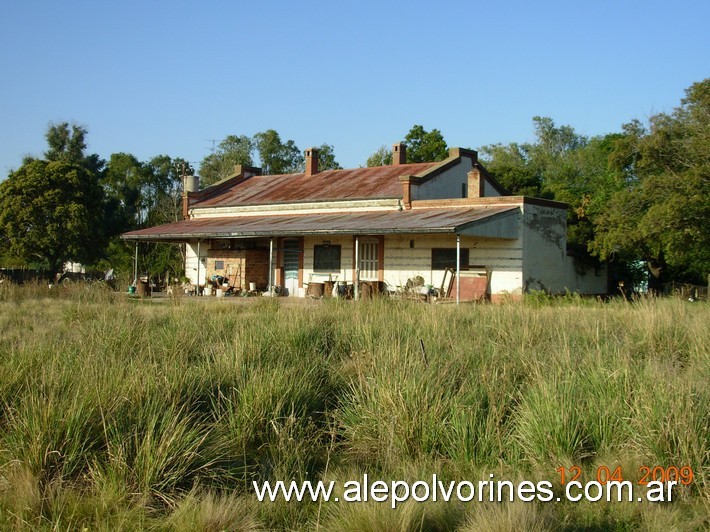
[126, 414]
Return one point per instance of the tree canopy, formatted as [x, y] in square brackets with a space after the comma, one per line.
[381, 157]
[278, 157]
[422, 147]
[425, 146]
[326, 158]
[637, 195]
[52, 212]
[233, 150]
[67, 142]
[274, 156]
[662, 213]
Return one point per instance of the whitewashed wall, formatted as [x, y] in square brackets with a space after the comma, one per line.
[503, 258]
[346, 253]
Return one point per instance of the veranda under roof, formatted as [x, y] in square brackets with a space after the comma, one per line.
[482, 221]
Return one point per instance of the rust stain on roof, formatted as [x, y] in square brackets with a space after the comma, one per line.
[379, 182]
[372, 222]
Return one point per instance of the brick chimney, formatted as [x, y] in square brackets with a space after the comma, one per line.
[311, 162]
[399, 154]
[475, 183]
[406, 181]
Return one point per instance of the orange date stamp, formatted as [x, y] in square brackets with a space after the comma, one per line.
[681, 475]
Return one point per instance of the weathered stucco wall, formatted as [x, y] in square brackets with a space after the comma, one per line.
[544, 248]
[547, 265]
[489, 191]
[585, 279]
[446, 185]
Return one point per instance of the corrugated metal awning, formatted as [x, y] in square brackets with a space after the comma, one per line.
[431, 220]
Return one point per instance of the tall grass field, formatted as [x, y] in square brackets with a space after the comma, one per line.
[128, 414]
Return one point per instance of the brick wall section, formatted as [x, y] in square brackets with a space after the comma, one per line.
[241, 266]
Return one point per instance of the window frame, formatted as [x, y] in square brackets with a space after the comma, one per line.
[441, 263]
[331, 263]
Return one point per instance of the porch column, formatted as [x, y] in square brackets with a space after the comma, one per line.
[458, 268]
[356, 281]
[197, 281]
[135, 267]
[271, 266]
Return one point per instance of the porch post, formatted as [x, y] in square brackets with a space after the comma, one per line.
[135, 267]
[458, 268]
[357, 269]
[271, 266]
[197, 281]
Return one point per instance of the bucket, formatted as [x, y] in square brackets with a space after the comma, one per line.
[219, 292]
[315, 290]
[208, 290]
[252, 287]
[132, 290]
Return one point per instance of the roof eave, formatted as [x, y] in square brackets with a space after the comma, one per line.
[181, 237]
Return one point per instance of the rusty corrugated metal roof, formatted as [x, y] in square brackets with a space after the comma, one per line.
[377, 182]
[432, 220]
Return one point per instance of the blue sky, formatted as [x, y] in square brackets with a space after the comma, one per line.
[158, 77]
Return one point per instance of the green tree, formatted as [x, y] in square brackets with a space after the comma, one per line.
[52, 212]
[122, 181]
[662, 212]
[165, 260]
[425, 146]
[326, 158]
[144, 194]
[381, 157]
[233, 150]
[564, 166]
[510, 164]
[276, 156]
[67, 142]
